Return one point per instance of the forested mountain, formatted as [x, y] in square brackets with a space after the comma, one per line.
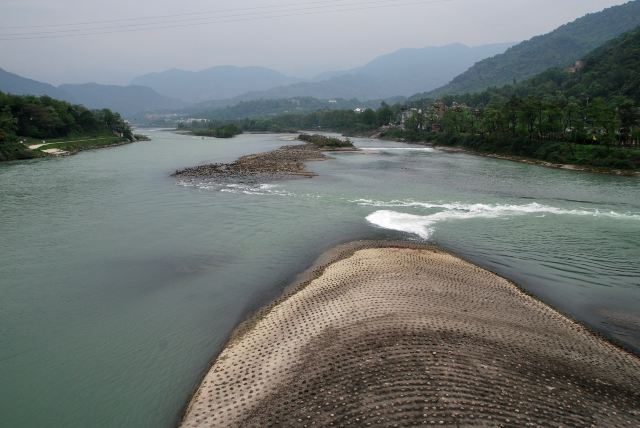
[214, 83]
[561, 47]
[126, 100]
[610, 72]
[23, 117]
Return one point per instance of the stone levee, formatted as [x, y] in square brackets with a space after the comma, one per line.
[410, 337]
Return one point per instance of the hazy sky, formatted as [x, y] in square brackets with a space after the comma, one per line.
[299, 38]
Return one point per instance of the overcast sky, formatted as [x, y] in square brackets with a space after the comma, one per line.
[303, 37]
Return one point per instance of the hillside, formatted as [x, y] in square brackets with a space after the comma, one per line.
[14, 84]
[400, 73]
[611, 71]
[126, 100]
[213, 83]
[408, 71]
[561, 47]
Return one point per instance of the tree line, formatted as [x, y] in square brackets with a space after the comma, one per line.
[45, 117]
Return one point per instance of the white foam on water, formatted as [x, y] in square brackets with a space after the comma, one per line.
[259, 189]
[423, 225]
[238, 188]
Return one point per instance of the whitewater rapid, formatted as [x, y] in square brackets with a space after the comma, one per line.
[423, 225]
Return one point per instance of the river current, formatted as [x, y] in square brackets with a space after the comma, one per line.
[119, 283]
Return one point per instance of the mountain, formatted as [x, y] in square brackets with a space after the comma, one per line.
[408, 71]
[213, 83]
[561, 47]
[17, 85]
[400, 73]
[344, 86]
[612, 72]
[126, 100]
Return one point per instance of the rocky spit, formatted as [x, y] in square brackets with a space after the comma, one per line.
[279, 163]
[397, 336]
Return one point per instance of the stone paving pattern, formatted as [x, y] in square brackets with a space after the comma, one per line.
[411, 337]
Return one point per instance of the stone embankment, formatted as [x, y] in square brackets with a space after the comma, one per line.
[402, 337]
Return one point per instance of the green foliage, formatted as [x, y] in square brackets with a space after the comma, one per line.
[324, 141]
[228, 130]
[559, 48]
[24, 117]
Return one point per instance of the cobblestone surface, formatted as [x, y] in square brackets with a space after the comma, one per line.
[412, 337]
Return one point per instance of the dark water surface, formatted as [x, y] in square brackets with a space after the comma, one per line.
[118, 283]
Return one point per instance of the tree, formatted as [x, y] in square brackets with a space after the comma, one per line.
[8, 124]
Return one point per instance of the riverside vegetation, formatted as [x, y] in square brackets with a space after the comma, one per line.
[46, 123]
[586, 114]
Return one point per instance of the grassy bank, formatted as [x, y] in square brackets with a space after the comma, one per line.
[14, 150]
[19, 149]
[79, 143]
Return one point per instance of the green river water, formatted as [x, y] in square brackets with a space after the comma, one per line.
[119, 283]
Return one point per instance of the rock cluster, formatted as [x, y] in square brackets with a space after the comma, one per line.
[287, 160]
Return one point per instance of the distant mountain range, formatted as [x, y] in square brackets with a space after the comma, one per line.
[216, 83]
[126, 100]
[561, 47]
[18, 85]
[404, 72]
[400, 73]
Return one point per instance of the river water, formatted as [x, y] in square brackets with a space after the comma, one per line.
[119, 283]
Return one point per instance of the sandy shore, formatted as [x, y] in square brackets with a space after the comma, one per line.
[399, 335]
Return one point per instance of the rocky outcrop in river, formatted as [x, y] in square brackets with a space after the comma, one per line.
[280, 163]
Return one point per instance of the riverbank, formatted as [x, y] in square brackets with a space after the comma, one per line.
[575, 157]
[32, 148]
[67, 147]
[394, 333]
[287, 161]
[538, 162]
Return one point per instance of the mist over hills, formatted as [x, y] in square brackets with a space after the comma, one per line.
[408, 71]
[400, 73]
[215, 83]
[126, 100]
[560, 47]
[18, 85]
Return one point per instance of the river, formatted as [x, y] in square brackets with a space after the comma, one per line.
[119, 283]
